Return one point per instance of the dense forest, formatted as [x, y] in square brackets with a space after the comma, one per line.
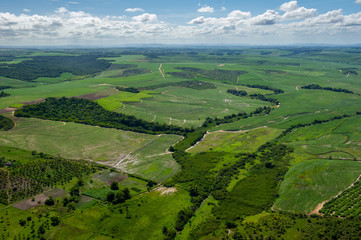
[88, 112]
[54, 66]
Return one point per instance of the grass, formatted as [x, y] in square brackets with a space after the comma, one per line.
[236, 142]
[311, 182]
[318, 169]
[140, 153]
[190, 107]
[194, 229]
[11, 227]
[333, 140]
[114, 102]
[148, 214]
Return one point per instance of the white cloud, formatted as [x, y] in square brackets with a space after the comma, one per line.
[74, 2]
[293, 11]
[239, 14]
[26, 10]
[223, 9]
[64, 26]
[61, 10]
[146, 17]
[270, 17]
[134, 10]
[198, 20]
[289, 6]
[206, 9]
[358, 1]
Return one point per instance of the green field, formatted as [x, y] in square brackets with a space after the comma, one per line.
[314, 181]
[147, 216]
[236, 142]
[241, 166]
[134, 152]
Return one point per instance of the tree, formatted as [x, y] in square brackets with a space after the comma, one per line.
[49, 201]
[55, 221]
[114, 186]
[110, 196]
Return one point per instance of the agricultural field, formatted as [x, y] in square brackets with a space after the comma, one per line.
[134, 152]
[178, 143]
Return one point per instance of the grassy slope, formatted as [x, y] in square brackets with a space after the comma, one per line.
[78, 141]
[311, 182]
[148, 214]
[236, 142]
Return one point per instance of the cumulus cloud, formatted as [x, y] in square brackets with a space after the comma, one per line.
[239, 14]
[358, 1]
[289, 23]
[146, 17]
[293, 11]
[223, 9]
[206, 9]
[26, 10]
[270, 17]
[198, 20]
[134, 10]
[289, 6]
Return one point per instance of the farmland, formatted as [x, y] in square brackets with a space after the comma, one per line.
[200, 143]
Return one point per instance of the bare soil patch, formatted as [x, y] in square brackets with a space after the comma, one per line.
[34, 102]
[39, 199]
[98, 95]
[117, 179]
[6, 110]
[166, 191]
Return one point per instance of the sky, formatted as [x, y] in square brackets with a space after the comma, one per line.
[209, 22]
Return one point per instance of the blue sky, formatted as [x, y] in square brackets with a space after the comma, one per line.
[111, 22]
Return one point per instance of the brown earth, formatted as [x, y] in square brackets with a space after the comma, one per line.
[39, 199]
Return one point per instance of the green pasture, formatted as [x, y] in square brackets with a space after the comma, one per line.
[203, 216]
[314, 181]
[114, 102]
[235, 142]
[147, 214]
[339, 139]
[190, 107]
[134, 152]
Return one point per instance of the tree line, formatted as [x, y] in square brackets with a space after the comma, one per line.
[88, 112]
[316, 86]
[264, 87]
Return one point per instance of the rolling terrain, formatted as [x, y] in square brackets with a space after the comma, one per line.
[216, 143]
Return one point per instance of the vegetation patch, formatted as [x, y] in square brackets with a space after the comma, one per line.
[314, 181]
[54, 66]
[114, 102]
[133, 72]
[4, 94]
[6, 123]
[318, 87]
[90, 113]
[195, 84]
[345, 204]
[235, 142]
[216, 74]
[22, 180]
